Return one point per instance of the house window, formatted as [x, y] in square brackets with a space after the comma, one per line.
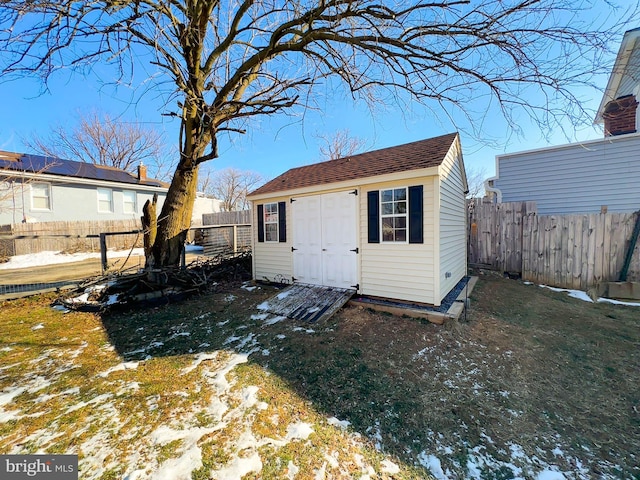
[129, 202]
[40, 196]
[271, 222]
[393, 215]
[105, 200]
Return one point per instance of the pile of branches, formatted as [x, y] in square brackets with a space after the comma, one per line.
[156, 286]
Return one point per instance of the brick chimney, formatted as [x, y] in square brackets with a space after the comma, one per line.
[620, 116]
[142, 173]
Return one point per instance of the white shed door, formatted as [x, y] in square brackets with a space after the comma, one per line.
[325, 240]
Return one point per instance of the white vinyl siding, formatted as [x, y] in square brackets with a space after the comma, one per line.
[105, 200]
[629, 80]
[402, 271]
[41, 196]
[272, 260]
[452, 231]
[129, 204]
[575, 178]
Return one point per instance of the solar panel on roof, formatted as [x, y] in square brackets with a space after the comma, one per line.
[70, 168]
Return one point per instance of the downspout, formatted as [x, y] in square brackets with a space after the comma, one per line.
[490, 188]
[495, 190]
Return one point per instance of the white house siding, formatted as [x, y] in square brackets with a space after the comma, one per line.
[272, 260]
[401, 271]
[452, 232]
[69, 202]
[574, 178]
[629, 81]
[203, 206]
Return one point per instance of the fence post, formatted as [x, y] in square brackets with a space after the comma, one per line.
[103, 252]
[235, 239]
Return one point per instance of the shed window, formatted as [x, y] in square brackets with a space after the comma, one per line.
[271, 222]
[129, 202]
[105, 200]
[40, 196]
[393, 215]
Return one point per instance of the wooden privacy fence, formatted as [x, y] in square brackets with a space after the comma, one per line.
[65, 236]
[241, 217]
[578, 251]
[495, 233]
[567, 251]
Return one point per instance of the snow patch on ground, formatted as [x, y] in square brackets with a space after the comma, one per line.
[432, 463]
[301, 329]
[274, 320]
[57, 257]
[120, 367]
[389, 467]
[580, 295]
[299, 430]
[338, 423]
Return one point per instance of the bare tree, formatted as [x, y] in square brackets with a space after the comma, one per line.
[103, 140]
[341, 144]
[227, 62]
[475, 181]
[231, 186]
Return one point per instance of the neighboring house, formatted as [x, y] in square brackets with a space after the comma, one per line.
[34, 188]
[389, 223]
[589, 177]
[204, 205]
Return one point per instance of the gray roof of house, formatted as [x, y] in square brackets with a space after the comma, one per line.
[16, 162]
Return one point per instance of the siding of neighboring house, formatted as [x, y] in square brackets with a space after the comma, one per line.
[574, 178]
[72, 201]
[272, 260]
[629, 81]
[402, 271]
[452, 231]
[203, 206]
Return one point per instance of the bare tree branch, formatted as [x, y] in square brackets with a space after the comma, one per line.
[231, 186]
[342, 144]
[103, 140]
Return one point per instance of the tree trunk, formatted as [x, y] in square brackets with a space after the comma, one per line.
[175, 217]
[150, 227]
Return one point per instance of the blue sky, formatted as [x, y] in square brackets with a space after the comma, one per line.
[273, 145]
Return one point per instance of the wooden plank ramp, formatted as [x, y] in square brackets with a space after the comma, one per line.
[308, 303]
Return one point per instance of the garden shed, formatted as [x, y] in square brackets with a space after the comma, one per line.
[389, 223]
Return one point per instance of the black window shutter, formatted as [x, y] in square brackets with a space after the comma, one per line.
[416, 215]
[261, 223]
[373, 216]
[282, 222]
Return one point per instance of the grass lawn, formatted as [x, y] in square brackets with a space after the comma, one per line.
[532, 384]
